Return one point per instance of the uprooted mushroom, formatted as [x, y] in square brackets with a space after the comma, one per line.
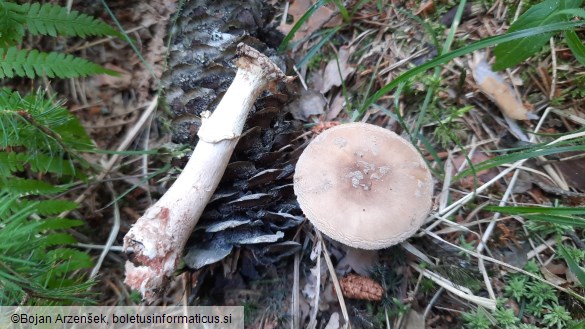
[363, 186]
[159, 236]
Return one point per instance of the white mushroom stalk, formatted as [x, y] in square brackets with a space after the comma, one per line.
[159, 236]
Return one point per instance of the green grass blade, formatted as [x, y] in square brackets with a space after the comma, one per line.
[576, 46]
[284, 44]
[127, 152]
[511, 53]
[488, 42]
[509, 158]
[342, 10]
[142, 182]
[558, 219]
[554, 215]
[572, 12]
[327, 35]
[538, 210]
[573, 264]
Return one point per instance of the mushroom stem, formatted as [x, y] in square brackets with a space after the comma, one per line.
[159, 236]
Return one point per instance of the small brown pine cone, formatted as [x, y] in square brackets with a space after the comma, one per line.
[360, 287]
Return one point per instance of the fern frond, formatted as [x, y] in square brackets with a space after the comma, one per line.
[59, 224]
[32, 64]
[55, 239]
[6, 203]
[70, 260]
[22, 187]
[11, 162]
[54, 207]
[48, 19]
[43, 207]
[12, 20]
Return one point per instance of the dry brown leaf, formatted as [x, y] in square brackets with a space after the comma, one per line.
[426, 8]
[121, 82]
[552, 278]
[154, 15]
[309, 103]
[322, 126]
[316, 80]
[120, 98]
[336, 107]
[483, 175]
[334, 75]
[414, 320]
[493, 85]
[572, 277]
[572, 170]
[547, 80]
[360, 260]
[325, 16]
[360, 287]
[557, 268]
[333, 321]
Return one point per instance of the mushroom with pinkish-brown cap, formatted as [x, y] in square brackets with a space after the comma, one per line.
[363, 185]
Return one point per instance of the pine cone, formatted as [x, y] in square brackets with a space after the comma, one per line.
[360, 287]
[254, 204]
[201, 60]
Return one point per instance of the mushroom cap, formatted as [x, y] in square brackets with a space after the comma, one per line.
[363, 186]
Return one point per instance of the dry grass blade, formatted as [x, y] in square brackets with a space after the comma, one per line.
[334, 279]
[455, 289]
[296, 311]
[514, 268]
[111, 237]
[318, 248]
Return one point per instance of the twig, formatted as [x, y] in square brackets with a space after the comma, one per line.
[432, 302]
[99, 247]
[113, 233]
[144, 166]
[285, 13]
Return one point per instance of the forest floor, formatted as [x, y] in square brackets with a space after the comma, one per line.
[462, 268]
